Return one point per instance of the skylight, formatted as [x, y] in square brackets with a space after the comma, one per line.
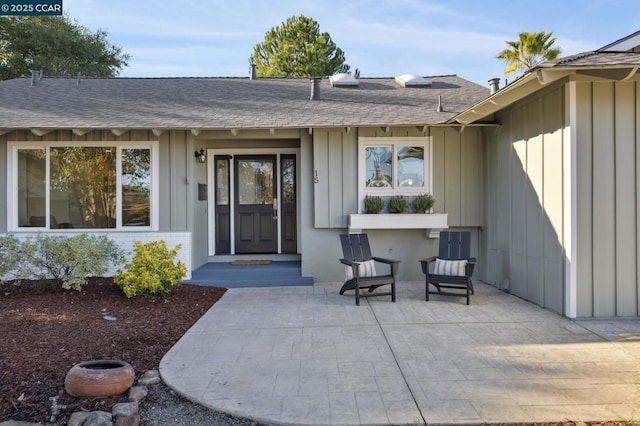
[412, 80]
[343, 80]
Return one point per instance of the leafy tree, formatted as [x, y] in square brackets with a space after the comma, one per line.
[57, 46]
[297, 49]
[528, 51]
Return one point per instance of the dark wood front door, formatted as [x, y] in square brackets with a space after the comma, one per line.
[256, 211]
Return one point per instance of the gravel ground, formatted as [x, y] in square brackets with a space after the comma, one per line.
[163, 407]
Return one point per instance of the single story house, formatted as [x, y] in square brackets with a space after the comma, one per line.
[278, 168]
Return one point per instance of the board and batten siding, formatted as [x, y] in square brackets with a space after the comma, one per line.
[523, 234]
[608, 209]
[457, 173]
[335, 174]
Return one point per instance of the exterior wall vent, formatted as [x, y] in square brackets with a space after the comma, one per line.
[412, 80]
[343, 80]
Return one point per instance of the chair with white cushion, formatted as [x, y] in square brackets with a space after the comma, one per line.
[453, 267]
[360, 268]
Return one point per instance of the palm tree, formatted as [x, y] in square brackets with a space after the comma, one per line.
[528, 51]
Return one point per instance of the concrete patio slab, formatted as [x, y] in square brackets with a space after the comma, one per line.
[308, 356]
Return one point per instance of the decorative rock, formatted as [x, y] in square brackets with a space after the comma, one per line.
[77, 418]
[128, 420]
[150, 378]
[124, 409]
[18, 423]
[138, 393]
[98, 418]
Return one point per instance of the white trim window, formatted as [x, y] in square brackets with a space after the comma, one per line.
[394, 166]
[88, 186]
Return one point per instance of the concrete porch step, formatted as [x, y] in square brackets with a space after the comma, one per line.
[275, 274]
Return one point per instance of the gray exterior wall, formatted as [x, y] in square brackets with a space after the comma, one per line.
[333, 154]
[522, 245]
[325, 206]
[562, 206]
[608, 213]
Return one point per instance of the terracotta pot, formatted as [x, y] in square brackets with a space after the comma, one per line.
[99, 378]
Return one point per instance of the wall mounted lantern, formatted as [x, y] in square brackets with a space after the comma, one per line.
[201, 157]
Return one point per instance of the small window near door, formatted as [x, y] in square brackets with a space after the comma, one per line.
[222, 182]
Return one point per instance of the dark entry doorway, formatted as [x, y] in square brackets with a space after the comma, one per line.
[256, 205]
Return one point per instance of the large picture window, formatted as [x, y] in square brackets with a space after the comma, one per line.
[394, 166]
[83, 187]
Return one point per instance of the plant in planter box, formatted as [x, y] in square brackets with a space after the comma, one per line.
[423, 203]
[373, 204]
[398, 204]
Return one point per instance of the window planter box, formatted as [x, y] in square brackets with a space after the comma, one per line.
[432, 222]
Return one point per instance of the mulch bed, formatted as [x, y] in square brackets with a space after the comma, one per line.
[45, 330]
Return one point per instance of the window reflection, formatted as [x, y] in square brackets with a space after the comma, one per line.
[288, 181]
[136, 187]
[379, 167]
[410, 166]
[83, 187]
[31, 187]
[222, 182]
[255, 184]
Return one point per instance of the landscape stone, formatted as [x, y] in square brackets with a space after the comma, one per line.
[78, 418]
[124, 409]
[133, 420]
[98, 418]
[138, 393]
[150, 378]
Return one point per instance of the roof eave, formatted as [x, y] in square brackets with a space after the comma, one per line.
[536, 78]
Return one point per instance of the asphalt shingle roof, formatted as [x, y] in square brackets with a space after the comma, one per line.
[227, 103]
[595, 59]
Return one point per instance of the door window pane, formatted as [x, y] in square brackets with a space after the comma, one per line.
[288, 181]
[255, 182]
[83, 187]
[32, 187]
[379, 166]
[410, 166]
[136, 187]
[222, 182]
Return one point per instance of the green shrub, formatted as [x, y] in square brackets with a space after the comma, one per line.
[423, 203]
[71, 259]
[398, 204]
[373, 204]
[10, 256]
[67, 259]
[152, 270]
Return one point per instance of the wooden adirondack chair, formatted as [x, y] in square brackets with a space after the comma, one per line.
[360, 268]
[453, 266]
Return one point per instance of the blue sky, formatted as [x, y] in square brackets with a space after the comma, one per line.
[381, 38]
